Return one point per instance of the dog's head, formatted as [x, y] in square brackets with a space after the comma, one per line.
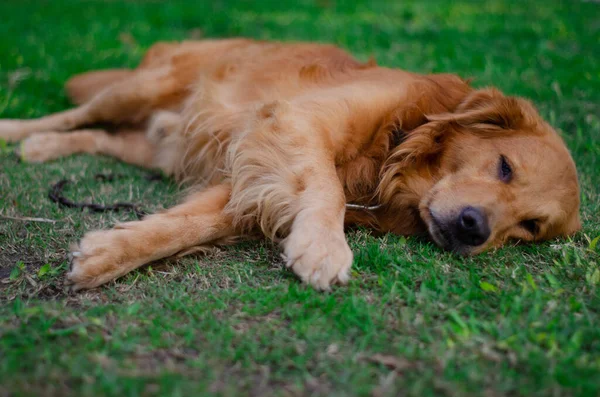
[501, 172]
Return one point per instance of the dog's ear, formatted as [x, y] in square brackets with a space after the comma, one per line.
[488, 110]
[417, 149]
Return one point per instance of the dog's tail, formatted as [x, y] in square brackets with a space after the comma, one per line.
[83, 87]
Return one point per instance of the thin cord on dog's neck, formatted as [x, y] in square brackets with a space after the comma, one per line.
[363, 207]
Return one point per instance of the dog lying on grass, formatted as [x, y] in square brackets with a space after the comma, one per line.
[277, 138]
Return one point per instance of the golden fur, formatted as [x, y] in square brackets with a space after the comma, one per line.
[276, 138]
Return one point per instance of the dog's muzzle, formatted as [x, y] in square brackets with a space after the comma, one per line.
[462, 232]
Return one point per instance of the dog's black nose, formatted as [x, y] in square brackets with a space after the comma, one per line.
[472, 227]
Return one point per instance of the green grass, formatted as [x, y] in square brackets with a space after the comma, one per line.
[523, 320]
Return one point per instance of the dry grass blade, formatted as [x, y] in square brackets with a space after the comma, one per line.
[28, 219]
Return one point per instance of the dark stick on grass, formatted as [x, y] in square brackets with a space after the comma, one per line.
[56, 195]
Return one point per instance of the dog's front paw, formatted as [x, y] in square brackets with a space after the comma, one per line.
[321, 257]
[99, 258]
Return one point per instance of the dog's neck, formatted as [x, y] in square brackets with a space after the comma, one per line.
[397, 136]
[395, 206]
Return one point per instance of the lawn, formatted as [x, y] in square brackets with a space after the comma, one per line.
[522, 320]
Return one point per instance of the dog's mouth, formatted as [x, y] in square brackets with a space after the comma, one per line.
[438, 233]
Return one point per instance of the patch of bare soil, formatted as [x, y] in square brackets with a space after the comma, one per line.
[10, 256]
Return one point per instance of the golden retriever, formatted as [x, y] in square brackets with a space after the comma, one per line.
[297, 140]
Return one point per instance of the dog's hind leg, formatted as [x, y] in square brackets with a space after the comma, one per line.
[129, 146]
[16, 130]
[107, 254]
[132, 101]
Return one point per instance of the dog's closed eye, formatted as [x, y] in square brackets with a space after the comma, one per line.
[530, 225]
[505, 172]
